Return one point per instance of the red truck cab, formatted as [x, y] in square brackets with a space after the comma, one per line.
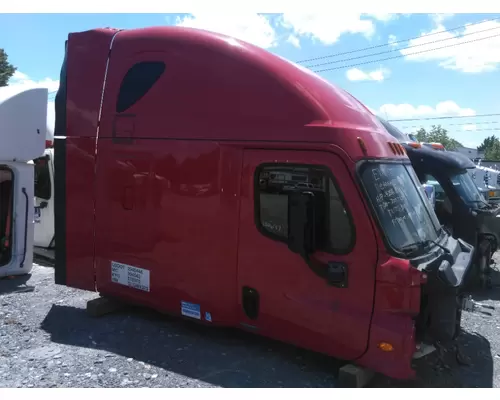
[207, 178]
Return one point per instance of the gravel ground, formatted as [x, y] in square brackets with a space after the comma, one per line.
[48, 340]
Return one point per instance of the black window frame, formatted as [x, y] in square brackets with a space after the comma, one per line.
[328, 173]
[12, 219]
[122, 103]
[48, 181]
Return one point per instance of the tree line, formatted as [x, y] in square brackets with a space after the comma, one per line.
[490, 146]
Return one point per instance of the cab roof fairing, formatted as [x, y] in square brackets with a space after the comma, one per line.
[323, 103]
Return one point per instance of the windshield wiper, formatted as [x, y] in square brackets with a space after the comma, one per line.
[478, 201]
[410, 248]
[428, 241]
[446, 230]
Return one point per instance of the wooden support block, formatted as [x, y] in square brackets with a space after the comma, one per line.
[102, 306]
[352, 376]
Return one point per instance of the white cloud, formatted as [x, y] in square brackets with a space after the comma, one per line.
[294, 41]
[327, 28]
[250, 27]
[469, 127]
[473, 57]
[20, 81]
[440, 18]
[257, 29]
[384, 17]
[404, 111]
[391, 41]
[355, 74]
[23, 82]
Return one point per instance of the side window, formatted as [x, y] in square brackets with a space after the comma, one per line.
[335, 232]
[438, 189]
[43, 188]
[138, 80]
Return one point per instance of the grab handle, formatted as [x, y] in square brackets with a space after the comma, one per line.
[25, 228]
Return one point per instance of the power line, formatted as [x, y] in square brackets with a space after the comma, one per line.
[454, 125]
[455, 132]
[405, 55]
[467, 123]
[474, 123]
[394, 50]
[444, 117]
[446, 127]
[396, 42]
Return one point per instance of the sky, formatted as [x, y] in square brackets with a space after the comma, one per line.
[435, 74]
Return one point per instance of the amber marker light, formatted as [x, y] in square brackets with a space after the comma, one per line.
[384, 346]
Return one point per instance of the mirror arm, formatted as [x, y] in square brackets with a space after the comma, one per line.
[317, 268]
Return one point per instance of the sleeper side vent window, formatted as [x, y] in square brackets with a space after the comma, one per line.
[139, 79]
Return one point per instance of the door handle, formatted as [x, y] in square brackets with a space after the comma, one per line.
[337, 274]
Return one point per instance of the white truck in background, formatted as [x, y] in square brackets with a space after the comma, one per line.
[23, 124]
[44, 190]
[487, 180]
[44, 198]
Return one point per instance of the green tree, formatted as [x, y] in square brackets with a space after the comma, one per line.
[487, 143]
[6, 68]
[491, 148]
[438, 134]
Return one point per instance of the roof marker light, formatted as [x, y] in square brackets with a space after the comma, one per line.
[391, 145]
[362, 145]
[396, 148]
[437, 146]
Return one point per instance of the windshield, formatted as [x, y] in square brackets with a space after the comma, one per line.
[404, 211]
[412, 137]
[467, 190]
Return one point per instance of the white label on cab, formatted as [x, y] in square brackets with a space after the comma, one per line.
[128, 275]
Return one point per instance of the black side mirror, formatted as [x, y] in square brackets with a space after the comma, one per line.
[44, 204]
[301, 223]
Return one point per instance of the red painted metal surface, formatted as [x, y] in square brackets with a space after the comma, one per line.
[80, 161]
[177, 197]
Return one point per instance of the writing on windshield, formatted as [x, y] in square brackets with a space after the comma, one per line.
[405, 214]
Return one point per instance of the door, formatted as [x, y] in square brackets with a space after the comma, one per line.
[280, 295]
[16, 211]
[44, 201]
